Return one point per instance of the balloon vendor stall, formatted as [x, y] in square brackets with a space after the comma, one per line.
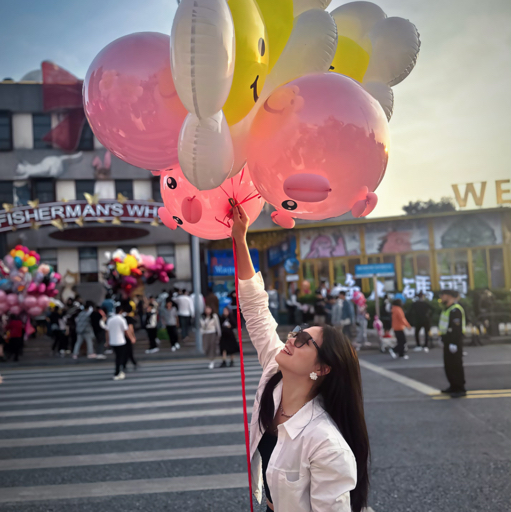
[253, 101]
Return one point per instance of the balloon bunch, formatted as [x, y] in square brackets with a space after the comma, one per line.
[26, 286]
[156, 269]
[297, 97]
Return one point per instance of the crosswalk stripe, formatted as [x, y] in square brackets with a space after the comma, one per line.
[122, 436]
[490, 395]
[127, 385]
[488, 391]
[143, 394]
[122, 407]
[131, 418]
[123, 488]
[98, 459]
[165, 377]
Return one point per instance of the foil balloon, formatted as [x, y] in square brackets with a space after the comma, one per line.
[206, 214]
[319, 148]
[131, 102]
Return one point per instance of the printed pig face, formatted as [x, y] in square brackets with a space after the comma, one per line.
[208, 213]
[318, 148]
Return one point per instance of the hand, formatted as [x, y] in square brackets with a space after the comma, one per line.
[240, 223]
[453, 348]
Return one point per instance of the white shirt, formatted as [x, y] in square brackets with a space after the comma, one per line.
[211, 325]
[117, 326]
[185, 305]
[312, 468]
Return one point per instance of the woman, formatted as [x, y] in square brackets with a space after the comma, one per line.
[309, 443]
[16, 332]
[399, 322]
[228, 342]
[170, 319]
[151, 323]
[211, 332]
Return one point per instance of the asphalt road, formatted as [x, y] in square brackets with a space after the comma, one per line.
[170, 437]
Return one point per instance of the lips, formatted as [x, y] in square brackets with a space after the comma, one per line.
[286, 351]
[306, 187]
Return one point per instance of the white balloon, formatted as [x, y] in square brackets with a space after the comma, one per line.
[205, 150]
[300, 6]
[383, 94]
[396, 45]
[202, 50]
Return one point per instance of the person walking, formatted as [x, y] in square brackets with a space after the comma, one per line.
[186, 312]
[108, 305]
[399, 322]
[151, 322]
[452, 327]
[211, 332]
[84, 331]
[141, 310]
[343, 316]
[98, 321]
[129, 315]
[421, 311]
[319, 307]
[15, 333]
[170, 321]
[212, 301]
[117, 328]
[386, 316]
[308, 437]
[362, 320]
[228, 342]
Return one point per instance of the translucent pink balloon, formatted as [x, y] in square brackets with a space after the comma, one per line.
[30, 301]
[15, 310]
[12, 299]
[318, 148]
[35, 311]
[43, 301]
[208, 213]
[131, 102]
[3, 296]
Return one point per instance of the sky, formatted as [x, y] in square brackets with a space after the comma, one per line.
[452, 115]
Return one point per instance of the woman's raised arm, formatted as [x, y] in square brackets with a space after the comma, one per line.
[239, 234]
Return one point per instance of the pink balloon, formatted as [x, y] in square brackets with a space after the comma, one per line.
[30, 301]
[147, 260]
[15, 310]
[41, 288]
[12, 299]
[57, 277]
[35, 311]
[9, 261]
[131, 102]
[3, 296]
[50, 287]
[318, 148]
[215, 222]
[32, 288]
[43, 301]
[53, 293]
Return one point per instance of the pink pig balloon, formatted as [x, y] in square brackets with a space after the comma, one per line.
[131, 102]
[208, 213]
[318, 148]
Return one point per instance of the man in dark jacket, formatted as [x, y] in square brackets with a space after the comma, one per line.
[421, 311]
[452, 328]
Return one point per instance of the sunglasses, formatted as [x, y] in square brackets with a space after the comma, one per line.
[301, 337]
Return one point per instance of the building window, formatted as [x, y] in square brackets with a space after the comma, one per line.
[6, 193]
[41, 127]
[479, 268]
[49, 256]
[124, 187]
[44, 190]
[167, 252]
[5, 131]
[156, 190]
[497, 268]
[88, 257]
[84, 186]
[86, 142]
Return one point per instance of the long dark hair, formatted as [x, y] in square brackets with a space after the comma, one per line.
[341, 390]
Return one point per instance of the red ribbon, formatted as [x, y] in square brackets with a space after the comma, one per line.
[242, 370]
[62, 91]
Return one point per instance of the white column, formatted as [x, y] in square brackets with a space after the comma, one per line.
[142, 190]
[183, 262]
[65, 189]
[22, 131]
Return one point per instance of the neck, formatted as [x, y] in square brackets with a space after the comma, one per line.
[296, 391]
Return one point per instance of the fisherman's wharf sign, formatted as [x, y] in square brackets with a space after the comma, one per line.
[77, 212]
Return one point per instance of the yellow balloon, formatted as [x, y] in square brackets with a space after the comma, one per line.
[20, 254]
[123, 269]
[251, 64]
[131, 261]
[350, 59]
[278, 17]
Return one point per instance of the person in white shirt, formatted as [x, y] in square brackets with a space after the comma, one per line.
[308, 436]
[211, 332]
[151, 327]
[186, 312]
[169, 319]
[117, 328]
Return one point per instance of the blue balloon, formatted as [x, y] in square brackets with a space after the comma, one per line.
[18, 262]
[5, 284]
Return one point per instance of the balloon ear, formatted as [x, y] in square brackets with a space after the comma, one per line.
[107, 162]
[364, 207]
[166, 218]
[283, 219]
[96, 163]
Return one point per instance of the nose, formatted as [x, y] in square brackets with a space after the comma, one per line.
[307, 187]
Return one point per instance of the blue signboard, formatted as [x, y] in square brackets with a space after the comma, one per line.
[282, 252]
[375, 269]
[221, 262]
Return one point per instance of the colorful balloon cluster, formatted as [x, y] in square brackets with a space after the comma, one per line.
[126, 271]
[26, 285]
[300, 96]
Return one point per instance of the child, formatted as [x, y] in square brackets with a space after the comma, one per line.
[228, 343]
[399, 322]
[211, 331]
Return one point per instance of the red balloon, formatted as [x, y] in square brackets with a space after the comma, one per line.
[131, 102]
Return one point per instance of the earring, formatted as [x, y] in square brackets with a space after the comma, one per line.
[314, 376]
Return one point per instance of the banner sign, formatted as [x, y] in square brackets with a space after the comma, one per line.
[375, 269]
[22, 217]
[221, 262]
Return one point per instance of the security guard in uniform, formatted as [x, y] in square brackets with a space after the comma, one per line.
[452, 328]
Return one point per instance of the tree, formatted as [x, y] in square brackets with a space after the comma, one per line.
[419, 207]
